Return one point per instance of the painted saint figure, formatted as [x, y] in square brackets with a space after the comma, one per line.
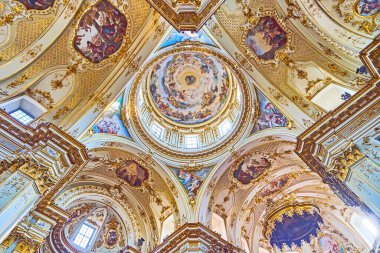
[266, 38]
[251, 168]
[132, 173]
[101, 31]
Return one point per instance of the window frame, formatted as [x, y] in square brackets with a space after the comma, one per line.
[191, 141]
[155, 126]
[224, 127]
[79, 233]
[24, 114]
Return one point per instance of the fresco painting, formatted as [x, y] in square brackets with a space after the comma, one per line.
[37, 4]
[189, 88]
[251, 168]
[177, 37]
[269, 115]
[274, 186]
[133, 173]
[368, 8]
[266, 38]
[101, 32]
[191, 180]
[110, 122]
[329, 245]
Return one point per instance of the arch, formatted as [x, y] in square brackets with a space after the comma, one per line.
[257, 139]
[120, 143]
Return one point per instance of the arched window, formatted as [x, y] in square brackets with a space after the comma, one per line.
[84, 236]
[24, 109]
[219, 226]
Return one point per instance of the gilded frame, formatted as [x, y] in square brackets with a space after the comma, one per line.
[238, 161]
[113, 57]
[289, 36]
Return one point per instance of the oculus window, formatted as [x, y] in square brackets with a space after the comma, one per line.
[22, 116]
[84, 236]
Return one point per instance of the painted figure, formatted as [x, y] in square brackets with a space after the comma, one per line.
[269, 115]
[274, 186]
[329, 245]
[132, 173]
[37, 4]
[100, 33]
[266, 38]
[251, 168]
[191, 180]
[368, 8]
[189, 88]
[110, 122]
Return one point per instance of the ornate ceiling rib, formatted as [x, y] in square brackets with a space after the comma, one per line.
[186, 15]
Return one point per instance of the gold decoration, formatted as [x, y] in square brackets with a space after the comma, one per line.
[241, 59]
[188, 15]
[20, 80]
[9, 18]
[214, 28]
[31, 53]
[62, 111]
[329, 51]
[368, 27]
[278, 96]
[70, 7]
[134, 66]
[40, 175]
[334, 69]
[71, 69]
[102, 102]
[343, 162]
[159, 30]
[42, 97]
[176, 3]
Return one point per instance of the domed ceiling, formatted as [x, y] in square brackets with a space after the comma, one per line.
[189, 88]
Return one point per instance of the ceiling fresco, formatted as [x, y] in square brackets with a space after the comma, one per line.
[266, 38]
[269, 115]
[111, 121]
[189, 88]
[189, 112]
[100, 32]
[38, 4]
[177, 37]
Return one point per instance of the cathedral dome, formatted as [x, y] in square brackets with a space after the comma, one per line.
[190, 100]
[189, 88]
